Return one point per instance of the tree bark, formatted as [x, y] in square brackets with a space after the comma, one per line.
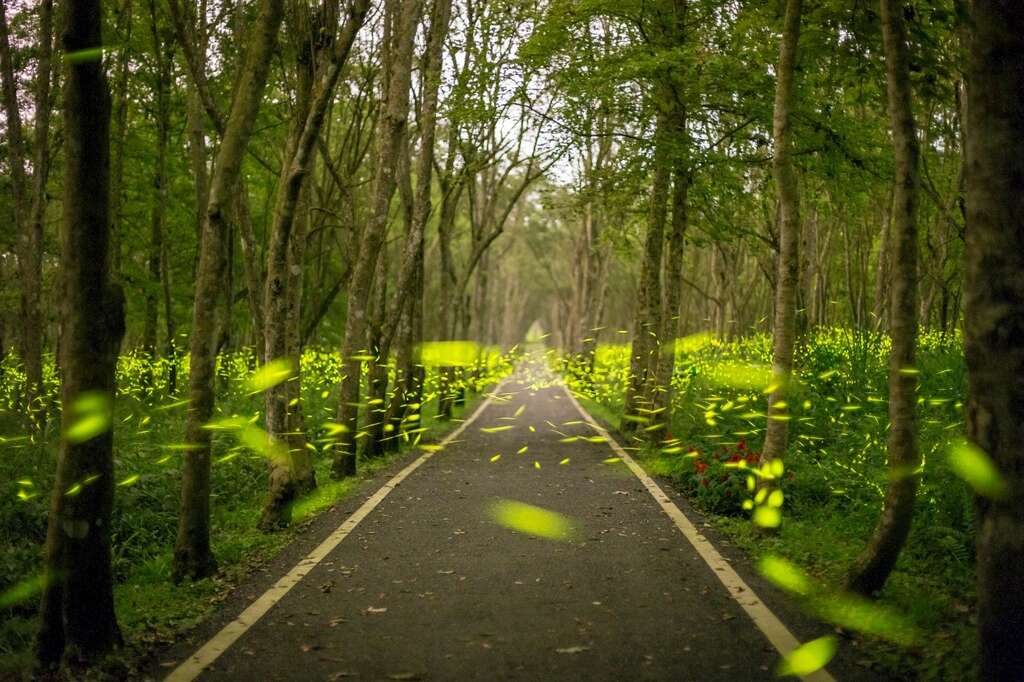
[120, 122]
[873, 567]
[994, 320]
[163, 56]
[665, 363]
[409, 373]
[392, 131]
[784, 323]
[29, 202]
[78, 624]
[662, 395]
[647, 318]
[192, 555]
[290, 474]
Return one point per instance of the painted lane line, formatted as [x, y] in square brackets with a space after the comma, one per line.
[229, 634]
[766, 621]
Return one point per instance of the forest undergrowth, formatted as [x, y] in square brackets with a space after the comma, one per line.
[835, 471]
[148, 422]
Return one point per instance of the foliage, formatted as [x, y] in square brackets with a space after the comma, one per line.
[148, 422]
[835, 468]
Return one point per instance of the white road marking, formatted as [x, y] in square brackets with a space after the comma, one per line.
[229, 634]
[766, 621]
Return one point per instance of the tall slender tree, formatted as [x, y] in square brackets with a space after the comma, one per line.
[873, 567]
[403, 17]
[193, 557]
[645, 348]
[285, 473]
[784, 171]
[408, 383]
[78, 623]
[29, 195]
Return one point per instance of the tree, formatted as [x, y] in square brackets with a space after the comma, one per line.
[872, 568]
[192, 555]
[995, 319]
[29, 199]
[646, 346]
[163, 57]
[784, 172]
[285, 473]
[77, 612]
[399, 46]
[408, 391]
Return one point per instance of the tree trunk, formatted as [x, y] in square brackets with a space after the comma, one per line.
[280, 300]
[120, 116]
[29, 203]
[872, 568]
[409, 374]
[647, 318]
[882, 274]
[784, 324]
[392, 131]
[192, 555]
[995, 320]
[78, 622]
[662, 396]
[162, 55]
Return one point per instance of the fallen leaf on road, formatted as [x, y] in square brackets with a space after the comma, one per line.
[373, 609]
[572, 649]
[405, 676]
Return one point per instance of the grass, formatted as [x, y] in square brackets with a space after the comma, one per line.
[148, 422]
[835, 472]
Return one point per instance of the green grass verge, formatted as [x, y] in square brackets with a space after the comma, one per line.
[937, 597]
[153, 611]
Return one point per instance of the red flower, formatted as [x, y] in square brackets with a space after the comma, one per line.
[735, 458]
[701, 467]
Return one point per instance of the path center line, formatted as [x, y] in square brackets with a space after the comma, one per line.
[229, 634]
[766, 621]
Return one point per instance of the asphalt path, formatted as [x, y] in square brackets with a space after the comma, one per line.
[431, 584]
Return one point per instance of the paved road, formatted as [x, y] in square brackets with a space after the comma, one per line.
[429, 586]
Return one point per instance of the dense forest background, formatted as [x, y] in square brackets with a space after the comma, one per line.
[330, 224]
